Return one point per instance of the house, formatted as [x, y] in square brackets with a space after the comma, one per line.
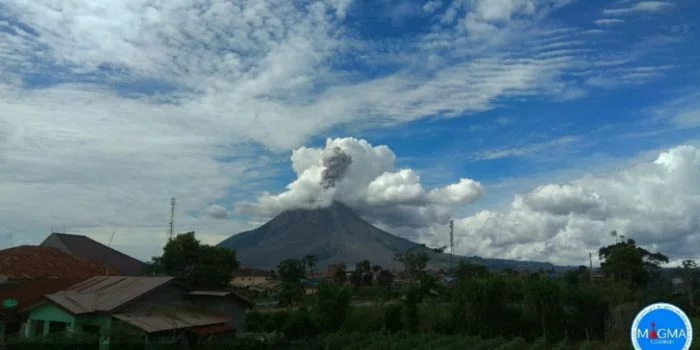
[157, 306]
[246, 277]
[226, 303]
[87, 248]
[25, 263]
[332, 269]
[21, 296]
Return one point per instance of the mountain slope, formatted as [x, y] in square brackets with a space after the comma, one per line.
[336, 234]
[333, 234]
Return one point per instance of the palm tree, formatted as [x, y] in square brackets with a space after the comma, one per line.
[310, 260]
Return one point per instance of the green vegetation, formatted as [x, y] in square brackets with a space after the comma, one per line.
[195, 264]
[481, 310]
[370, 309]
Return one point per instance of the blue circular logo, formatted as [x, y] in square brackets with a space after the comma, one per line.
[661, 326]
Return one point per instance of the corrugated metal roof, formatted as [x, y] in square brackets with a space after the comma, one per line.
[210, 293]
[31, 262]
[32, 292]
[87, 248]
[105, 293]
[214, 293]
[155, 322]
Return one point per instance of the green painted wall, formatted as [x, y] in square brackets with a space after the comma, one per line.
[50, 312]
[47, 313]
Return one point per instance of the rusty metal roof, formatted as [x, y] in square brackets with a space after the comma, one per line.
[31, 262]
[158, 322]
[87, 248]
[32, 292]
[105, 294]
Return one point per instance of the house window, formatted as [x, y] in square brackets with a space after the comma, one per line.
[57, 327]
[91, 329]
[12, 328]
[37, 327]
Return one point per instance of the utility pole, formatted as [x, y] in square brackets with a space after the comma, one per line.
[452, 244]
[172, 218]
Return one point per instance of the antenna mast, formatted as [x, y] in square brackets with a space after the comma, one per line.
[172, 218]
[109, 244]
[452, 243]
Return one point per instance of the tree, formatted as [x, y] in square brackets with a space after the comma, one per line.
[577, 276]
[414, 264]
[465, 270]
[385, 278]
[340, 276]
[333, 306]
[690, 275]
[291, 272]
[362, 275]
[196, 265]
[625, 261]
[310, 261]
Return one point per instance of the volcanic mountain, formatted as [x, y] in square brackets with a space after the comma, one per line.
[334, 234]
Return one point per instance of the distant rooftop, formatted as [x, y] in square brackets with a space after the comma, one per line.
[87, 248]
[31, 262]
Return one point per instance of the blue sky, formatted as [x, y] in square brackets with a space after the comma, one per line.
[524, 106]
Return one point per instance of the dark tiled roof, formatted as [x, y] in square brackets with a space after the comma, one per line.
[31, 262]
[32, 292]
[87, 248]
[105, 293]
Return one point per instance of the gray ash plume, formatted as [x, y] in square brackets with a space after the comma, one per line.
[336, 163]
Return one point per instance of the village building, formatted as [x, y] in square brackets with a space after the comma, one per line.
[159, 307]
[246, 277]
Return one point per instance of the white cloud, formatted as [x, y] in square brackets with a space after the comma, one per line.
[372, 186]
[522, 151]
[604, 22]
[432, 6]
[640, 7]
[216, 211]
[656, 203]
[76, 152]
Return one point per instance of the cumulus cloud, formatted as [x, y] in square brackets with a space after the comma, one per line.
[216, 211]
[371, 185]
[657, 203]
[111, 108]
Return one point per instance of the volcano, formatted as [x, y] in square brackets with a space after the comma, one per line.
[336, 234]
